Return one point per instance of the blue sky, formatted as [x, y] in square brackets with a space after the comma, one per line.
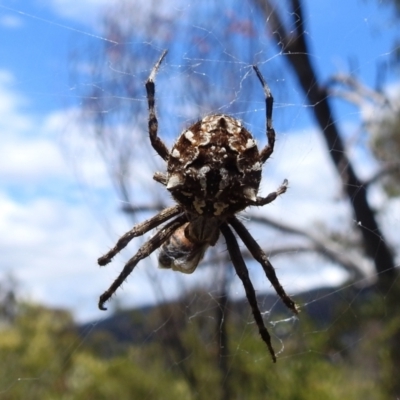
[58, 210]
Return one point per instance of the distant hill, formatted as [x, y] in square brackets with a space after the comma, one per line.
[135, 326]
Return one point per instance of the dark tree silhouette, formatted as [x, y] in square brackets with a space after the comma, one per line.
[293, 44]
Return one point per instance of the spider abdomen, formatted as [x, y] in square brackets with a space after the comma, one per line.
[214, 168]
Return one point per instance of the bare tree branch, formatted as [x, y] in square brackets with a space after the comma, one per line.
[358, 266]
[359, 89]
[388, 169]
[295, 49]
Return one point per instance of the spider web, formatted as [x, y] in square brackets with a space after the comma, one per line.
[59, 223]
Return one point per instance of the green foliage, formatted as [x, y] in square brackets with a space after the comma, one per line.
[385, 144]
[44, 358]
[354, 357]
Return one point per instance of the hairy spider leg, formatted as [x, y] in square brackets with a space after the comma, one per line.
[262, 201]
[156, 142]
[269, 103]
[243, 274]
[139, 230]
[258, 254]
[144, 251]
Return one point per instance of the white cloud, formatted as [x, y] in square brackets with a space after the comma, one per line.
[10, 21]
[51, 245]
[314, 187]
[88, 12]
[9, 100]
[50, 236]
[30, 160]
[31, 150]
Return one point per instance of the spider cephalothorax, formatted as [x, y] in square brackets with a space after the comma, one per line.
[213, 172]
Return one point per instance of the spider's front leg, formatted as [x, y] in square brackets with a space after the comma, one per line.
[156, 142]
[144, 251]
[139, 230]
[269, 104]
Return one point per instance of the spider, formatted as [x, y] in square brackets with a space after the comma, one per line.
[213, 172]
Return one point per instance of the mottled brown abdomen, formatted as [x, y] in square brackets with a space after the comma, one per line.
[214, 167]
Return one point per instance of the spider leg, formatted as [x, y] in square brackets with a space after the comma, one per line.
[269, 103]
[139, 230]
[243, 273]
[257, 252]
[262, 201]
[145, 250]
[161, 178]
[156, 142]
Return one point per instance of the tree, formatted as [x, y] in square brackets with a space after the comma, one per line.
[292, 41]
